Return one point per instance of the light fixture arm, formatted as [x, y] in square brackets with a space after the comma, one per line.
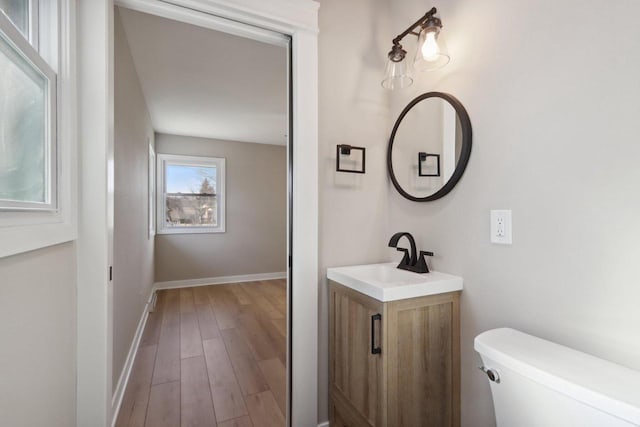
[419, 23]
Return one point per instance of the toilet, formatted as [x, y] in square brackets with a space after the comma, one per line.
[537, 383]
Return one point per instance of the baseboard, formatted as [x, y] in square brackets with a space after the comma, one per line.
[324, 424]
[219, 280]
[118, 395]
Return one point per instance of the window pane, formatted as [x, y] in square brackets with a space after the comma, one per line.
[18, 13]
[23, 151]
[191, 196]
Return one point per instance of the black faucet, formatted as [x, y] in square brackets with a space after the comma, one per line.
[413, 262]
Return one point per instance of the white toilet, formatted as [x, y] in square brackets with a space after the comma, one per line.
[537, 383]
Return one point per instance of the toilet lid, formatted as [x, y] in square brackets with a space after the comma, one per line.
[604, 385]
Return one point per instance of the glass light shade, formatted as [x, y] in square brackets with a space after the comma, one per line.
[396, 75]
[432, 52]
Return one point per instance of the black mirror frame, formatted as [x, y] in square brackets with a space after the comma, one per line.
[465, 151]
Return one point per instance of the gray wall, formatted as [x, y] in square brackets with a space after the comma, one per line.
[554, 108]
[133, 248]
[38, 336]
[255, 237]
[353, 109]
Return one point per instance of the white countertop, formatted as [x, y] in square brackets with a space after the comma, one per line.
[385, 282]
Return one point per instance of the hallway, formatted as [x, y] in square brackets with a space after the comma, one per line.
[211, 355]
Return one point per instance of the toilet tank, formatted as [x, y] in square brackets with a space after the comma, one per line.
[542, 384]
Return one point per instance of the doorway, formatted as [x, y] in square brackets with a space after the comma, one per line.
[213, 347]
[95, 103]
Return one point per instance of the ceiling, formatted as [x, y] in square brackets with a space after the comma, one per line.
[201, 82]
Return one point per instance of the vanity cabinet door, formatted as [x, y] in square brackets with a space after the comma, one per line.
[424, 361]
[356, 374]
[337, 419]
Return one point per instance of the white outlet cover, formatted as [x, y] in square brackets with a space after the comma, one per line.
[501, 232]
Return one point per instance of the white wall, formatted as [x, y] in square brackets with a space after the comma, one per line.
[255, 240]
[552, 90]
[133, 248]
[38, 336]
[353, 109]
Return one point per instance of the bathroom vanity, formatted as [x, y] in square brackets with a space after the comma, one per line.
[394, 347]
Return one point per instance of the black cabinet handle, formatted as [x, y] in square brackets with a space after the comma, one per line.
[374, 349]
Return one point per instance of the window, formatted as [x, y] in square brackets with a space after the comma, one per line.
[19, 14]
[192, 194]
[38, 169]
[27, 116]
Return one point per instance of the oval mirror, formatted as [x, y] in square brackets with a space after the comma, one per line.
[429, 147]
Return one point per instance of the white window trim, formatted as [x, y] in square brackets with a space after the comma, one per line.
[34, 23]
[22, 231]
[163, 160]
[152, 191]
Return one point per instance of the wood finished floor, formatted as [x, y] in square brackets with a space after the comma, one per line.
[211, 356]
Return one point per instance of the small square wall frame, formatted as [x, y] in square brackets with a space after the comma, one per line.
[423, 157]
[345, 150]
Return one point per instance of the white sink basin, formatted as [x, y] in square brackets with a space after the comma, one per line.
[385, 282]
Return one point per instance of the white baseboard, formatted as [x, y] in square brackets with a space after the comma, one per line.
[219, 280]
[324, 424]
[118, 395]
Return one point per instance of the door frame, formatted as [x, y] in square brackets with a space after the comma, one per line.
[297, 20]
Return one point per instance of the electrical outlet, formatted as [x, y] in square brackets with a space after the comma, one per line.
[500, 226]
[501, 232]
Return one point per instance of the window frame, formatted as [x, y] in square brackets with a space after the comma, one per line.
[23, 230]
[202, 161]
[22, 47]
[152, 190]
[34, 23]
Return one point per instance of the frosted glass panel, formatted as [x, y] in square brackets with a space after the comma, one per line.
[23, 120]
[18, 12]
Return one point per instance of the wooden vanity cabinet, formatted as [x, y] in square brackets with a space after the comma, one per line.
[414, 378]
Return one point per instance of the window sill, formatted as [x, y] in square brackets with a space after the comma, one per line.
[17, 240]
[191, 231]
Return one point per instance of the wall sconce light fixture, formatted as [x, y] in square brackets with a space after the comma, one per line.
[431, 52]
